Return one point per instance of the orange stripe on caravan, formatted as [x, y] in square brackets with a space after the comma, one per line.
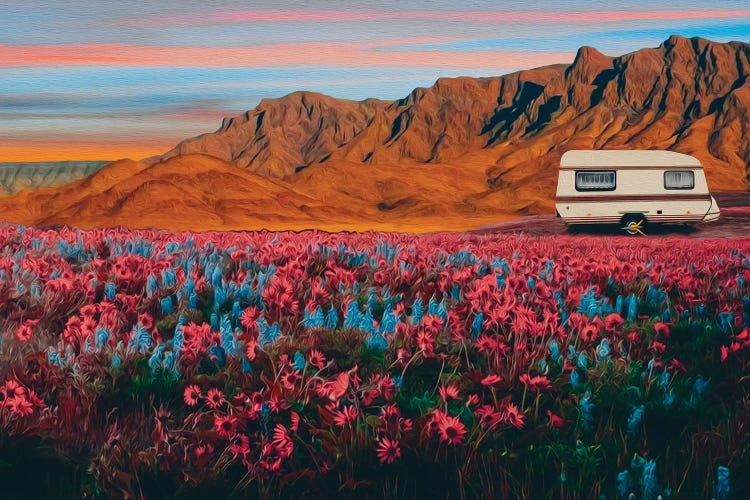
[631, 167]
[641, 197]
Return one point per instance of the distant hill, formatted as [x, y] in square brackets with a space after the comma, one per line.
[27, 175]
[460, 154]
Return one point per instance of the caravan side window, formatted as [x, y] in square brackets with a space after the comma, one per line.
[679, 179]
[595, 180]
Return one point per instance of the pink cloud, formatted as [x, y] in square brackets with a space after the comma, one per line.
[289, 54]
[492, 17]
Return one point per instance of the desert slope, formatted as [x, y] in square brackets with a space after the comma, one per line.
[462, 153]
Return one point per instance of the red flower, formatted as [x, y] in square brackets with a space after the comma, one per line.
[658, 346]
[316, 358]
[661, 328]
[491, 380]
[249, 315]
[388, 450]
[451, 430]
[724, 352]
[536, 383]
[345, 417]
[589, 333]
[448, 392]
[513, 416]
[290, 380]
[225, 426]
[613, 321]
[555, 421]
[282, 442]
[488, 416]
[192, 395]
[215, 398]
[294, 419]
[250, 348]
[20, 405]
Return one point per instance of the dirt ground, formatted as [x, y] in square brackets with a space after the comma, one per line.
[734, 222]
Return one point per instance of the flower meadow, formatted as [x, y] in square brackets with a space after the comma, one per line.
[148, 364]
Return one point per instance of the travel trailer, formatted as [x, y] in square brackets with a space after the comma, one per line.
[633, 188]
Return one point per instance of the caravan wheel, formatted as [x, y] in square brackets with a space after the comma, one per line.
[634, 224]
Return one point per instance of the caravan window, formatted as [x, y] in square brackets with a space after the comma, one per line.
[595, 180]
[679, 179]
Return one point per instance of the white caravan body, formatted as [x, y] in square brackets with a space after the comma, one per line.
[609, 187]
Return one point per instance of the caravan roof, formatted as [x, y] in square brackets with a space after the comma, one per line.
[624, 158]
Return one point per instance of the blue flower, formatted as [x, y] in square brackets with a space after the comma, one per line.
[587, 408]
[650, 486]
[624, 484]
[155, 360]
[632, 309]
[268, 335]
[140, 339]
[635, 419]
[554, 349]
[332, 318]
[603, 350]
[575, 378]
[110, 291]
[722, 483]
[102, 337]
[298, 362]
[151, 285]
[417, 311]
[316, 319]
[476, 325]
[167, 306]
[583, 360]
[376, 342]
[353, 319]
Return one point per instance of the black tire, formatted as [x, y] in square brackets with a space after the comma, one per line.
[633, 224]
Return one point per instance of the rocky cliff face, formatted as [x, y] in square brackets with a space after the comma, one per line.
[462, 153]
[688, 95]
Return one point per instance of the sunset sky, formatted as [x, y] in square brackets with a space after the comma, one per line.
[104, 80]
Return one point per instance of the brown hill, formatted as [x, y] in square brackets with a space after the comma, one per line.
[462, 153]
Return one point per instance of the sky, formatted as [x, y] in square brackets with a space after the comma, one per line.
[105, 80]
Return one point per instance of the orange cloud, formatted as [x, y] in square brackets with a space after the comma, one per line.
[95, 149]
[289, 54]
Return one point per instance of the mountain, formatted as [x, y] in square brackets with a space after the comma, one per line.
[462, 153]
[15, 176]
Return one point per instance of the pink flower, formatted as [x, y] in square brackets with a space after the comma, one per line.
[388, 450]
[191, 395]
